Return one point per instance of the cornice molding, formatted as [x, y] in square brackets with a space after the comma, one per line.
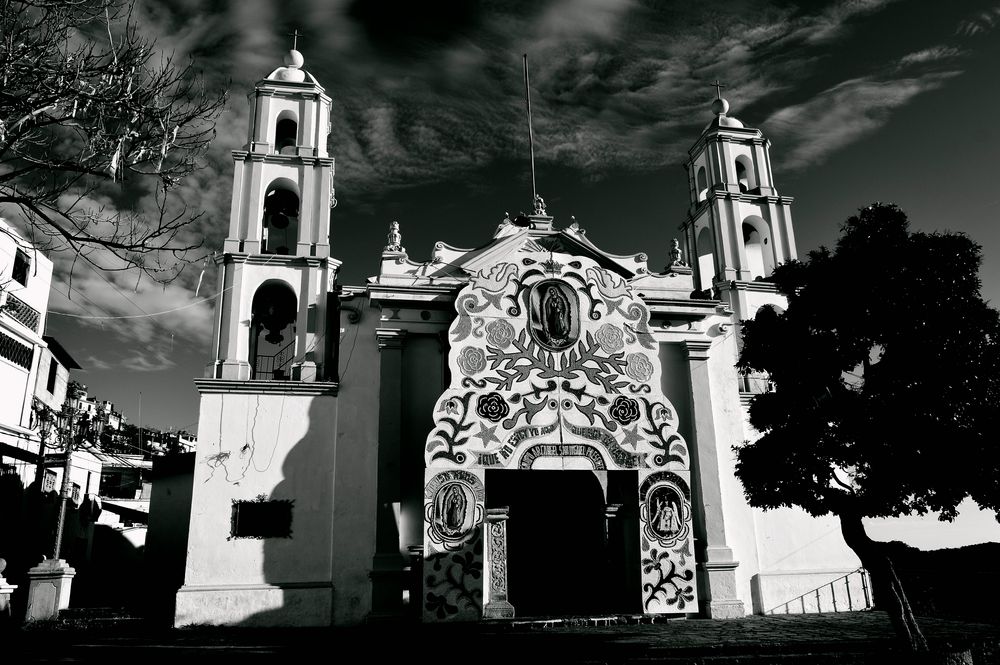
[271, 158]
[256, 387]
[744, 285]
[289, 260]
[697, 349]
[390, 338]
[719, 565]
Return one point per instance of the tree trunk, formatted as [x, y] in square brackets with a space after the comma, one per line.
[877, 562]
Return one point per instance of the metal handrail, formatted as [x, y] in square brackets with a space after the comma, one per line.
[22, 312]
[265, 367]
[846, 579]
[756, 383]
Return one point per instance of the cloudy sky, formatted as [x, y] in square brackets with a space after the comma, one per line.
[863, 100]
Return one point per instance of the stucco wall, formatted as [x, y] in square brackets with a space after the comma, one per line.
[54, 400]
[356, 459]
[740, 534]
[278, 446]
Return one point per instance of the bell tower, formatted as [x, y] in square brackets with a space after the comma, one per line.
[276, 271]
[261, 537]
[738, 227]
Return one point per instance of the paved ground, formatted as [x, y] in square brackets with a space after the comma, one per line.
[863, 637]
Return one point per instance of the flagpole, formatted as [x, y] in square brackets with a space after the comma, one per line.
[531, 136]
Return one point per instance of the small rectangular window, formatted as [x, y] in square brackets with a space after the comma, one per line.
[262, 518]
[49, 483]
[22, 263]
[53, 371]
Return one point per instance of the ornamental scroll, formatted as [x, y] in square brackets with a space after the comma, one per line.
[551, 356]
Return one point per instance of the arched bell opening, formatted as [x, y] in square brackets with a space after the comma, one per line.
[744, 174]
[281, 218]
[702, 183]
[286, 133]
[706, 259]
[272, 331]
[759, 248]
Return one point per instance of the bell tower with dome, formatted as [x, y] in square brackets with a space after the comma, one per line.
[738, 228]
[264, 471]
[276, 267]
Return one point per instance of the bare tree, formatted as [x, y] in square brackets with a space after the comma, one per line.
[93, 118]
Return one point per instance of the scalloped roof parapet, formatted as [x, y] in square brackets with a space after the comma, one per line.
[450, 265]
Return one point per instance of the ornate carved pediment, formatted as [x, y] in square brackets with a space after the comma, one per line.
[553, 349]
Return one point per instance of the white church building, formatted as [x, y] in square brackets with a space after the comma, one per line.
[531, 427]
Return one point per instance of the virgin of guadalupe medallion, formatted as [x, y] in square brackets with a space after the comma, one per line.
[452, 511]
[554, 315]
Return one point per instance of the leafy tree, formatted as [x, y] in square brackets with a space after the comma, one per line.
[886, 368]
[92, 119]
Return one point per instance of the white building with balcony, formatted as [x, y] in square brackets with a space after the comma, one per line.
[25, 278]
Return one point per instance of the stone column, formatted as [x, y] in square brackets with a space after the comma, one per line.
[387, 565]
[234, 338]
[497, 605]
[716, 567]
[304, 366]
[308, 207]
[49, 585]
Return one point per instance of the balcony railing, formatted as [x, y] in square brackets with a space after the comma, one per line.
[22, 312]
[275, 368]
[756, 384]
[850, 593]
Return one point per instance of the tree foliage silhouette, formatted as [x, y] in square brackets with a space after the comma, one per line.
[93, 118]
[886, 373]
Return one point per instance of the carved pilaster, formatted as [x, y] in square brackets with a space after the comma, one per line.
[497, 605]
[716, 567]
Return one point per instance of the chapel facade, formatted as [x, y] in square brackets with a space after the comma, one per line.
[532, 427]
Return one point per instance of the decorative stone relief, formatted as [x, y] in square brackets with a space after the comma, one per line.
[668, 566]
[497, 606]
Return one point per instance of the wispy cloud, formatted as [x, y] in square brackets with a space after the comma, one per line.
[843, 114]
[616, 85]
[930, 55]
[979, 23]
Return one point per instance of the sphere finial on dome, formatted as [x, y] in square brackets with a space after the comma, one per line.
[294, 59]
[720, 105]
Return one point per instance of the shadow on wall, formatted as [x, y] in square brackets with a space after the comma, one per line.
[116, 574]
[32, 520]
[297, 553]
[166, 542]
[107, 562]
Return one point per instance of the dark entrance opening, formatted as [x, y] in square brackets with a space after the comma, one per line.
[568, 554]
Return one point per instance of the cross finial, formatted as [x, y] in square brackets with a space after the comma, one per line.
[294, 34]
[718, 88]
